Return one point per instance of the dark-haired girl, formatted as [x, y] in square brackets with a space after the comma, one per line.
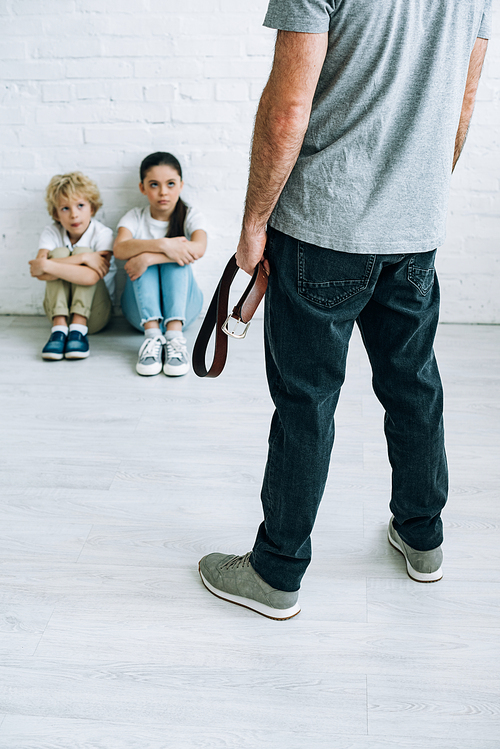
[160, 242]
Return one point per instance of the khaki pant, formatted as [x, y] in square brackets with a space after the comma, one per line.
[65, 298]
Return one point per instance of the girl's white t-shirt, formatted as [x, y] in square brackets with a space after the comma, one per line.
[142, 226]
[98, 238]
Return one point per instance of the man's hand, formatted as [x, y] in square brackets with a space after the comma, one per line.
[251, 250]
[136, 266]
[178, 250]
[98, 261]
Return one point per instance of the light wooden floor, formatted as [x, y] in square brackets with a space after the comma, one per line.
[113, 486]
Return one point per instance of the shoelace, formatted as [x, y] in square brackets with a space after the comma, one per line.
[152, 348]
[237, 562]
[176, 348]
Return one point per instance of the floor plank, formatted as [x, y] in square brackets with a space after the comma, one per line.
[113, 486]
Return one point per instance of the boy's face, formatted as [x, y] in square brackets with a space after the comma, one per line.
[162, 186]
[74, 215]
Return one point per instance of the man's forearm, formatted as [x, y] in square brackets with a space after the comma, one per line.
[473, 75]
[281, 121]
[280, 125]
[277, 142]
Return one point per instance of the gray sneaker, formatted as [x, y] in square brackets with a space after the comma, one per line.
[176, 359]
[422, 566]
[234, 579]
[150, 356]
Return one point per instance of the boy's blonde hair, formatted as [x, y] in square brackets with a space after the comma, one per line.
[71, 185]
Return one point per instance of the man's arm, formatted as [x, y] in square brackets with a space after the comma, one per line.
[280, 125]
[473, 75]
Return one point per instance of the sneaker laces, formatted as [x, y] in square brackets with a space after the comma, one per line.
[176, 348]
[151, 348]
[237, 562]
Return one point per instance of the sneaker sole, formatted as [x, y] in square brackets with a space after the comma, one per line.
[147, 371]
[418, 577]
[52, 357]
[77, 355]
[247, 603]
[176, 371]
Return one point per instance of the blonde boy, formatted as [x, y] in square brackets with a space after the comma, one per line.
[75, 260]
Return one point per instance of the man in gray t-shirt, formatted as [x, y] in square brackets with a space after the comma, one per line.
[358, 129]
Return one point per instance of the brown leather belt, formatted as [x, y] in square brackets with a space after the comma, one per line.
[217, 317]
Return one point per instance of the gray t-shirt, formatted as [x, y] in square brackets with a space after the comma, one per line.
[374, 170]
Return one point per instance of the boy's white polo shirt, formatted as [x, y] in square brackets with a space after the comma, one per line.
[98, 238]
[143, 226]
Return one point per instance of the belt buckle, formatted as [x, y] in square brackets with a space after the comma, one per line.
[233, 333]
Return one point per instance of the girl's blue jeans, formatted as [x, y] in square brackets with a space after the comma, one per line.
[164, 292]
[314, 297]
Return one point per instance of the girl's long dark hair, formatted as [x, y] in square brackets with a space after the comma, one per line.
[176, 223]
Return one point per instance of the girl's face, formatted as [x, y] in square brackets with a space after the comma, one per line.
[74, 215]
[162, 186]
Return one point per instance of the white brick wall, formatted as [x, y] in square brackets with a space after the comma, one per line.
[469, 261]
[98, 84]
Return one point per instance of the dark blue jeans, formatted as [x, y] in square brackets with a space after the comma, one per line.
[314, 297]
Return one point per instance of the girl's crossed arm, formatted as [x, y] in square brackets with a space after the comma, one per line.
[141, 253]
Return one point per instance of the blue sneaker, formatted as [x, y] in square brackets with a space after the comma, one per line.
[54, 348]
[77, 346]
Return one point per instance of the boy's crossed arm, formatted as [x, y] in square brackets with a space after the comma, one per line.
[84, 269]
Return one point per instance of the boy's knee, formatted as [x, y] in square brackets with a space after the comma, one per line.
[59, 252]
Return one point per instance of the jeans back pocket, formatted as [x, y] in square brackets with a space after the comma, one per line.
[421, 271]
[328, 278]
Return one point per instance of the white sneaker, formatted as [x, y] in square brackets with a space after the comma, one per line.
[176, 359]
[150, 356]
